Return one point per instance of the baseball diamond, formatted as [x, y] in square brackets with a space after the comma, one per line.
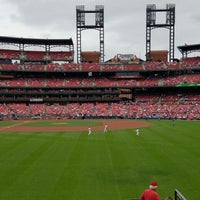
[76, 126]
[20, 126]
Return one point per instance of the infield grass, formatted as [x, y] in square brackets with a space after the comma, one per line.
[43, 123]
[114, 166]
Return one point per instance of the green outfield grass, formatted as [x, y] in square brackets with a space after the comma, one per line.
[114, 166]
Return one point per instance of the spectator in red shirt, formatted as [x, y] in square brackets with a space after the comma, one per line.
[150, 194]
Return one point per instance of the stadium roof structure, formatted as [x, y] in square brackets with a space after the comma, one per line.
[186, 49]
[36, 41]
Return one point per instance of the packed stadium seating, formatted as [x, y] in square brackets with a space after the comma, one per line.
[35, 89]
[153, 106]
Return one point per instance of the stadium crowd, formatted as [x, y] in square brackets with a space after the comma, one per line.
[33, 89]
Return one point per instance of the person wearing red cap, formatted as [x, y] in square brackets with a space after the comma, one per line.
[150, 194]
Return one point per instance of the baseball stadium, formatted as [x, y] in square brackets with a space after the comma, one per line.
[51, 92]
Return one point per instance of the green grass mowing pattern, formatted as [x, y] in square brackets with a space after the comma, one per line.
[7, 123]
[118, 165]
[43, 123]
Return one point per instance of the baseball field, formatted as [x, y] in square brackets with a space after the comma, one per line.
[58, 160]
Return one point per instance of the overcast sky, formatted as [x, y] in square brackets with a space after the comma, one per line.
[124, 23]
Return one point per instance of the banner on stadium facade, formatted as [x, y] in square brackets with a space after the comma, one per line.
[125, 58]
[187, 85]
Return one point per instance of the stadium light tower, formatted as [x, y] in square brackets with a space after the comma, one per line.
[151, 24]
[99, 25]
